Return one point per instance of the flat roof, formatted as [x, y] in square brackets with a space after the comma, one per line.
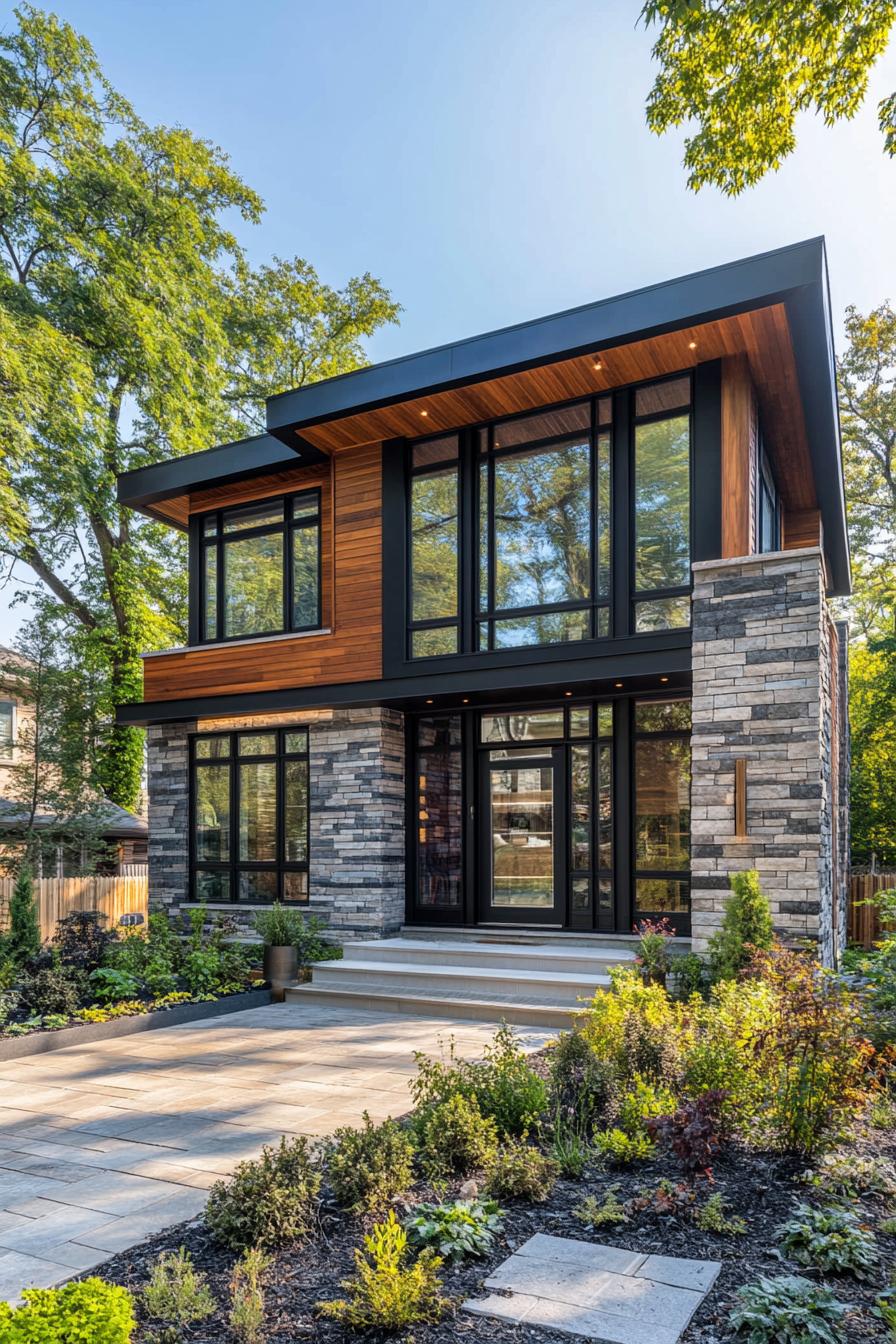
[795, 276]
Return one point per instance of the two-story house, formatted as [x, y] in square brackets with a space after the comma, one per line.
[530, 631]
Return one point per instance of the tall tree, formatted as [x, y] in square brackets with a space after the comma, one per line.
[867, 390]
[743, 69]
[131, 329]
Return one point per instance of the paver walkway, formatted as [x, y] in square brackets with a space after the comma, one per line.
[602, 1292]
[103, 1145]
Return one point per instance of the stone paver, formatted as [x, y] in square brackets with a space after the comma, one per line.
[104, 1145]
[602, 1292]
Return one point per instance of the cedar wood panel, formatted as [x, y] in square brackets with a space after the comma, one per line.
[351, 536]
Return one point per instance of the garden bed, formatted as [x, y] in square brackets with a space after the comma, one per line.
[41, 1040]
[761, 1189]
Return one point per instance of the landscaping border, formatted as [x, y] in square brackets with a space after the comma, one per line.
[41, 1042]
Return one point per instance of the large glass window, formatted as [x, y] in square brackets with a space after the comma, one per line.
[662, 820]
[434, 547]
[260, 568]
[439, 802]
[250, 816]
[543, 529]
[662, 505]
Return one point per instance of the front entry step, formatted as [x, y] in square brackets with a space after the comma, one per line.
[533, 984]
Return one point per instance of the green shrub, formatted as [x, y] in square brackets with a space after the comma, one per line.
[831, 1239]
[622, 1149]
[22, 939]
[369, 1166]
[91, 1312]
[110, 985]
[281, 926]
[595, 1213]
[467, 1227]
[51, 990]
[455, 1138]
[788, 1310]
[746, 925]
[519, 1171]
[569, 1148]
[638, 1029]
[690, 976]
[847, 1175]
[389, 1291]
[269, 1201]
[177, 1292]
[83, 941]
[246, 1315]
[712, 1216]
[506, 1087]
[584, 1089]
[643, 1101]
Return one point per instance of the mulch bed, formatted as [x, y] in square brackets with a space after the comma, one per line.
[759, 1188]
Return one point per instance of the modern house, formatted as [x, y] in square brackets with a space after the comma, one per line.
[527, 632]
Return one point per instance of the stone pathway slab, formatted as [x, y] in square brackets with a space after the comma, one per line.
[601, 1292]
[104, 1145]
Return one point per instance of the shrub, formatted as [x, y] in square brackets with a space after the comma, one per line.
[281, 926]
[466, 1227]
[22, 939]
[595, 1213]
[712, 1216]
[455, 1138]
[177, 1292]
[269, 1201]
[643, 1102]
[584, 1089]
[691, 1132]
[51, 990]
[654, 957]
[387, 1291]
[519, 1171]
[637, 1029]
[506, 1087]
[569, 1148]
[82, 940]
[690, 976]
[622, 1149]
[831, 1240]
[663, 1199]
[747, 925]
[246, 1315]
[369, 1166]
[109, 984]
[811, 1059]
[788, 1310]
[91, 1312]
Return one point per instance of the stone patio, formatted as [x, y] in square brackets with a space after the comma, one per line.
[601, 1292]
[103, 1145]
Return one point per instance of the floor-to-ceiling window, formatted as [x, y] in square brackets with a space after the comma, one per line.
[662, 813]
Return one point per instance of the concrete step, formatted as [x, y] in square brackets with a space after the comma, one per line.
[517, 1012]
[553, 987]
[512, 935]
[573, 960]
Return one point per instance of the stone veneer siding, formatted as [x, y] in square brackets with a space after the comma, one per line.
[766, 657]
[357, 816]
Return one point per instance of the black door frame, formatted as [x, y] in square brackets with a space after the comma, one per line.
[487, 913]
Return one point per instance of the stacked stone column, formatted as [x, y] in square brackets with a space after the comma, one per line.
[765, 659]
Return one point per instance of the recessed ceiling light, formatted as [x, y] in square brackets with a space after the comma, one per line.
[598, 364]
[466, 701]
[567, 692]
[619, 685]
[429, 702]
[664, 678]
[692, 345]
[424, 412]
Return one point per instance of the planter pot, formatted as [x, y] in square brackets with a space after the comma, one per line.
[281, 966]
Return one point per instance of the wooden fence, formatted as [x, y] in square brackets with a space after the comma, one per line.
[58, 896]
[863, 921]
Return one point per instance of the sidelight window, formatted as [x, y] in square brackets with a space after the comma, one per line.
[250, 816]
[662, 820]
[260, 568]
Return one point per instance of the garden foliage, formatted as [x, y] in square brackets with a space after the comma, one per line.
[177, 1292]
[270, 1201]
[371, 1165]
[465, 1227]
[390, 1289]
[91, 1312]
[455, 1138]
[746, 926]
[788, 1310]
[521, 1171]
[504, 1084]
[830, 1239]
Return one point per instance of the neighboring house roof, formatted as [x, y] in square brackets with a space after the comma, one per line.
[115, 822]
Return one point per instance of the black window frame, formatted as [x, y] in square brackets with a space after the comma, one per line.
[639, 596]
[415, 473]
[766, 489]
[286, 528]
[679, 920]
[234, 865]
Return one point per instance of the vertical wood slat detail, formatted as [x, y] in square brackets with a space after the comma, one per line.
[59, 896]
[737, 427]
[740, 797]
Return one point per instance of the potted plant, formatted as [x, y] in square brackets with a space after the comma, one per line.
[280, 930]
[654, 957]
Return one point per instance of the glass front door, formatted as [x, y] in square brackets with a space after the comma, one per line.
[521, 856]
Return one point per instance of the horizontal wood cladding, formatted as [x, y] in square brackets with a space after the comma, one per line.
[801, 528]
[351, 519]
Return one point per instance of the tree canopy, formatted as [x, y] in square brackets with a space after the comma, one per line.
[744, 69]
[132, 328]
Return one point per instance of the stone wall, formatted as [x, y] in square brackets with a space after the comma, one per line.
[357, 816]
[764, 665]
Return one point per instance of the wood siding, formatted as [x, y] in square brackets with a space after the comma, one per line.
[351, 539]
[737, 457]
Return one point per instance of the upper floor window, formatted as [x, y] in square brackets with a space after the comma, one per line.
[768, 511]
[7, 727]
[662, 505]
[260, 568]
[434, 547]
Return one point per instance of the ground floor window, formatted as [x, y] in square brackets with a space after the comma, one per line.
[249, 816]
[571, 816]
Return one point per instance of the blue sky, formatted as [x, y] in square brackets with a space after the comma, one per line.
[487, 159]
